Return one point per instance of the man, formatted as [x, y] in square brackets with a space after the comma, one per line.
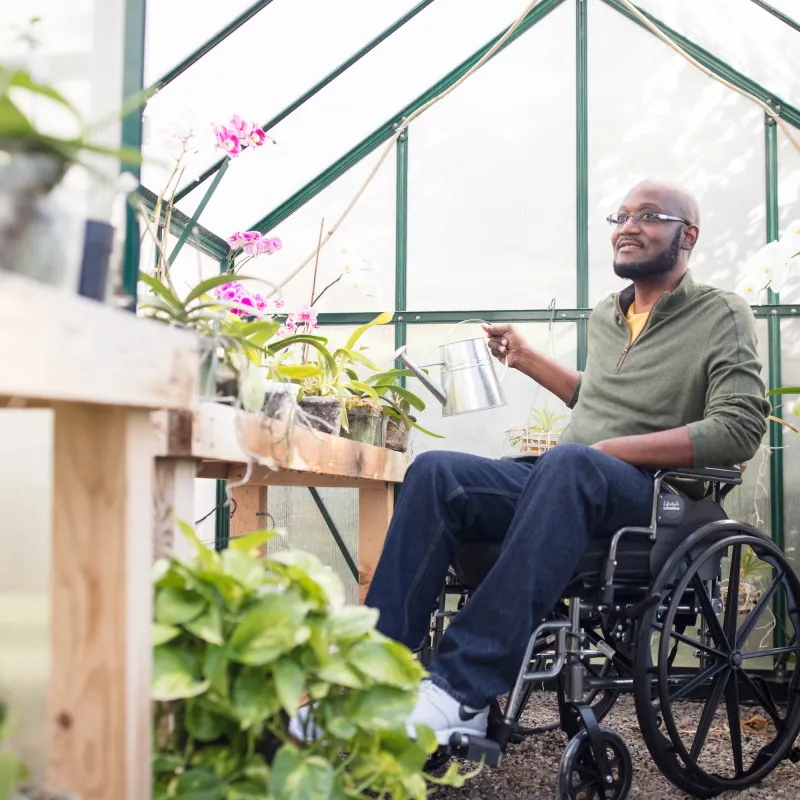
[672, 379]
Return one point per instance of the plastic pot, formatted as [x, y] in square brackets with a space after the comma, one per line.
[323, 413]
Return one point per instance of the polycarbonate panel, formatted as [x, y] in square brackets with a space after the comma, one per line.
[750, 502]
[175, 30]
[789, 201]
[484, 433]
[492, 182]
[294, 511]
[790, 374]
[684, 129]
[367, 235]
[743, 35]
[327, 126]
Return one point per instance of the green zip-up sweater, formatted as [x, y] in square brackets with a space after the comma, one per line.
[694, 364]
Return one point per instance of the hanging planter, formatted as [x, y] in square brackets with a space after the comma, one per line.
[539, 435]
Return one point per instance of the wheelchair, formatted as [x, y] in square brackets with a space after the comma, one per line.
[668, 613]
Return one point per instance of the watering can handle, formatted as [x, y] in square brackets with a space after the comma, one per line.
[505, 371]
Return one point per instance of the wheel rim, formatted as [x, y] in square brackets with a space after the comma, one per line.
[724, 669]
[581, 777]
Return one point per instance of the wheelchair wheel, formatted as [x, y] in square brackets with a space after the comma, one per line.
[704, 642]
[579, 777]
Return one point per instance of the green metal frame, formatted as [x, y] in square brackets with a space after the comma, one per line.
[582, 172]
[222, 518]
[775, 13]
[209, 45]
[132, 82]
[317, 87]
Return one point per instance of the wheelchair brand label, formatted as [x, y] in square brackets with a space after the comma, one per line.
[671, 508]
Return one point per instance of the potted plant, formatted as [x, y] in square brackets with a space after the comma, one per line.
[324, 397]
[539, 434]
[32, 163]
[240, 642]
[751, 567]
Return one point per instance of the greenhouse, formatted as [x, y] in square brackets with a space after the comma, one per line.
[267, 493]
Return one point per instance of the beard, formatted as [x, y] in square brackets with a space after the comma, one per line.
[661, 264]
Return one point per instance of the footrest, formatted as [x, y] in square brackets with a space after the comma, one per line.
[473, 748]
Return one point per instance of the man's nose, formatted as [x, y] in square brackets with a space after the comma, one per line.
[629, 225]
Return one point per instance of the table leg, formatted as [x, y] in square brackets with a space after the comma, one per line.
[173, 498]
[375, 507]
[251, 505]
[99, 719]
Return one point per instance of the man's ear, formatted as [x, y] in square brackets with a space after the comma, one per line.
[690, 237]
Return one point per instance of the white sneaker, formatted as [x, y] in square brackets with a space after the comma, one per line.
[302, 729]
[444, 715]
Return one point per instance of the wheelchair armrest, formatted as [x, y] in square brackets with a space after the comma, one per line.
[715, 474]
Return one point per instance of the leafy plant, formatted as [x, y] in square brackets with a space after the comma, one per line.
[12, 770]
[542, 427]
[240, 643]
[397, 401]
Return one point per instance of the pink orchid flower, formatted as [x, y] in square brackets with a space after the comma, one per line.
[278, 303]
[277, 244]
[257, 137]
[305, 315]
[283, 332]
[242, 128]
[227, 141]
[252, 245]
[236, 240]
[261, 303]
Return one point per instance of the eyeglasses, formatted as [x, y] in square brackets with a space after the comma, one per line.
[642, 218]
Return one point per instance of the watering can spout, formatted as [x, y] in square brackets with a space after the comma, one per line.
[435, 390]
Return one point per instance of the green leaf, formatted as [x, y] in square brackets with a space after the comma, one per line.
[246, 790]
[338, 672]
[256, 767]
[227, 588]
[12, 773]
[312, 341]
[178, 606]
[294, 777]
[203, 724]
[215, 669]
[208, 558]
[407, 395]
[340, 727]
[246, 543]
[254, 697]
[221, 760]
[352, 622]
[298, 372]
[365, 389]
[208, 626]
[175, 675]
[390, 376]
[164, 633]
[268, 629]
[424, 430]
[167, 762]
[354, 355]
[290, 683]
[389, 663]
[260, 332]
[322, 584]
[161, 290]
[381, 319]
[211, 283]
[245, 569]
[381, 708]
[784, 390]
[426, 738]
[199, 784]
[22, 79]
[453, 777]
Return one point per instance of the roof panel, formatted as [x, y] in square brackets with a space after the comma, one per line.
[361, 99]
[741, 33]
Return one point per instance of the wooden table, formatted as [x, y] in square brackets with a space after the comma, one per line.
[99, 373]
[216, 441]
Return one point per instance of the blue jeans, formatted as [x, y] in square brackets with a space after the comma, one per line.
[544, 514]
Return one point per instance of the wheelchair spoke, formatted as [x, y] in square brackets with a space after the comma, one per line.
[756, 611]
[707, 717]
[693, 642]
[776, 651]
[698, 680]
[765, 700]
[715, 629]
[734, 722]
[731, 619]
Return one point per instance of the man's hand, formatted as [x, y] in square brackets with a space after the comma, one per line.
[505, 342]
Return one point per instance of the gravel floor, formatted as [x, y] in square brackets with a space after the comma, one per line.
[529, 769]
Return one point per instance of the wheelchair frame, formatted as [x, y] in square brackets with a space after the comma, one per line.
[563, 643]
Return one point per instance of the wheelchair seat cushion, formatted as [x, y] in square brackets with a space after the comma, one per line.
[639, 560]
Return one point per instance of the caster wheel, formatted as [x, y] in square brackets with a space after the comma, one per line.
[579, 778]
[437, 760]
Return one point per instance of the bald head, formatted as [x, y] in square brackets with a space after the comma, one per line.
[675, 199]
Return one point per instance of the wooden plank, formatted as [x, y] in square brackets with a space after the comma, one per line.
[84, 351]
[99, 706]
[223, 434]
[251, 504]
[173, 498]
[264, 476]
[375, 508]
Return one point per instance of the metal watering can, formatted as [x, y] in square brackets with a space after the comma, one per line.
[469, 382]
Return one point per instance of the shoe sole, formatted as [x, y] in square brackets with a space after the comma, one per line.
[443, 736]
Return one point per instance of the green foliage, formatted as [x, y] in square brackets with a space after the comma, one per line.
[241, 643]
[542, 428]
[12, 771]
[397, 401]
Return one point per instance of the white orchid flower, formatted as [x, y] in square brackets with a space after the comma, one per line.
[359, 272]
